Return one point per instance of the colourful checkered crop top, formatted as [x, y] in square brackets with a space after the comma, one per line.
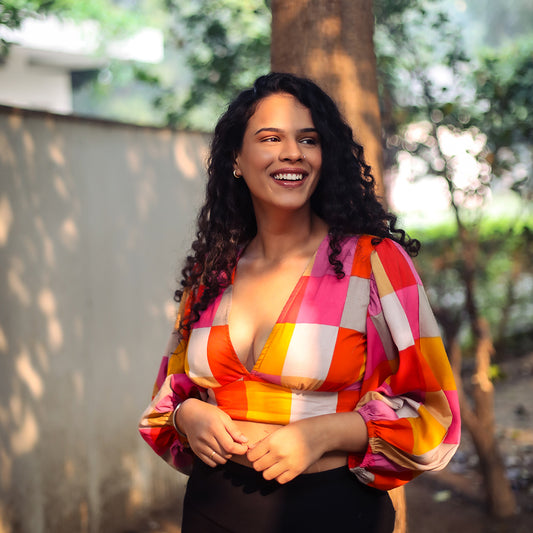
[367, 341]
[311, 363]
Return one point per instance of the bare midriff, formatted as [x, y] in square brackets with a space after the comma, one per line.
[256, 431]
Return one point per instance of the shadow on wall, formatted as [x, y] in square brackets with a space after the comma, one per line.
[94, 219]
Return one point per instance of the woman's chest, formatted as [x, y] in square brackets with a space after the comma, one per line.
[308, 337]
[257, 304]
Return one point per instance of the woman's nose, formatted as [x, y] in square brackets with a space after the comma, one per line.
[291, 151]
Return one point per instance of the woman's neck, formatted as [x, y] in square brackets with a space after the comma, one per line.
[286, 235]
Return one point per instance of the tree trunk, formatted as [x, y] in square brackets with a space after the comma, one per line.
[331, 42]
[398, 500]
[479, 422]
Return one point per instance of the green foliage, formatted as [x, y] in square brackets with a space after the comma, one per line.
[504, 109]
[487, 99]
[114, 91]
[504, 282]
[113, 18]
[467, 122]
[496, 373]
[226, 44]
[425, 76]
[116, 94]
[416, 45]
[13, 12]
[496, 23]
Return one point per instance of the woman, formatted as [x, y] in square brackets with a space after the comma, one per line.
[305, 376]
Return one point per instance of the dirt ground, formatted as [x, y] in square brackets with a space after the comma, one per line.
[452, 500]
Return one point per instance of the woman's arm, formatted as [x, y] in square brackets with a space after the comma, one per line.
[408, 395]
[178, 422]
[407, 419]
[172, 387]
[156, 425]
[289, 451]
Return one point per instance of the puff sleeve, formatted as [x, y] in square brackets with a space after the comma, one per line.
[172, 387]
[408, 398]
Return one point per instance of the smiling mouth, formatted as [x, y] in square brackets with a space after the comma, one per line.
[289, 177]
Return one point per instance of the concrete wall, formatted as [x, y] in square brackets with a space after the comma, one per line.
[34, 86]
[94, 220]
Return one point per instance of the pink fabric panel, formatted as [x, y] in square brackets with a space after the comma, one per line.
[207, 316]
[323, 301]
[454, 431]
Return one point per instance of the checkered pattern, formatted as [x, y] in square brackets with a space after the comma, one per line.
[367, 341]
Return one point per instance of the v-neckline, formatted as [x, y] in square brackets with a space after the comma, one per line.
[283, 312]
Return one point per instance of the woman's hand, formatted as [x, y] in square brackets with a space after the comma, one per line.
[211, 433]
[288, 451]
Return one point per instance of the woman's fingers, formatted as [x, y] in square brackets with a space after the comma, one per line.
[217, 448]
[212, 435]
[263, 462]
[258, 450]
[213, 458]
[232, 440]
[278, 468]
[225, 446]
[276, 471]
[236, 434]
[286, 452]
[218, 452]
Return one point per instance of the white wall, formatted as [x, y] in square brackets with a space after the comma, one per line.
[36, 73]
[33, 86]
[94, 219]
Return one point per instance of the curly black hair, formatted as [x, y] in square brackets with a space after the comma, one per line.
[344, 198]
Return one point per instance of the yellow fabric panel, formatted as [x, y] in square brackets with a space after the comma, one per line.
[176, 361]
[382, 280]
[433, 350]
[428, 433]
[438, 407]
[280, 337]
[265, 399]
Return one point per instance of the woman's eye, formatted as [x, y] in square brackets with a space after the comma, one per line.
[270, 139]
[309, 140]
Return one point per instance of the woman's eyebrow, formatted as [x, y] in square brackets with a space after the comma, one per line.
[279, 130]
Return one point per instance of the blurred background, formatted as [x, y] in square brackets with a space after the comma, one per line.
[106, 109]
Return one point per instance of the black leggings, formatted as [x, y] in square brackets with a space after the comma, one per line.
[237, 499]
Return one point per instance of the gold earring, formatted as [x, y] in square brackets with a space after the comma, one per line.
[235, 175]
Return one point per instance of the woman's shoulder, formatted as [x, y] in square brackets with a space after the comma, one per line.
[371, 244]
[376, 252]
[364, 254]
[390, 260]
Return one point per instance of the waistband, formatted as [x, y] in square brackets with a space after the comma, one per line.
[248, 476]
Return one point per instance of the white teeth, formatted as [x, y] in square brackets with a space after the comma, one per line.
[289, 177]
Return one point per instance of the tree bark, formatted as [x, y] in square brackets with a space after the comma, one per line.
[479, 422]
[331, 42]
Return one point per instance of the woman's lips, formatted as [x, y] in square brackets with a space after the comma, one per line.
[289, 174]
[288, 177]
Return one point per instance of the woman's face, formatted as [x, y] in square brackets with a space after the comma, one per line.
[280, 157]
